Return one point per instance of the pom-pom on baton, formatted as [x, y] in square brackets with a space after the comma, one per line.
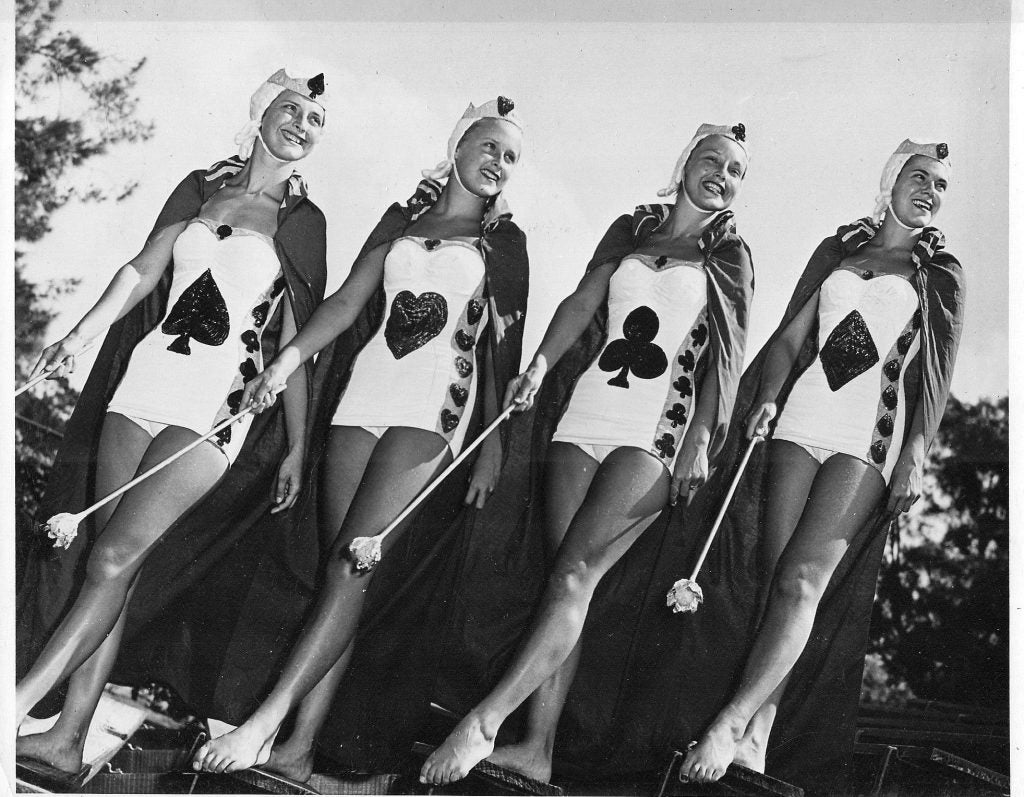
[365, 551]
[40, 377]
[686, 594]
[63, 528]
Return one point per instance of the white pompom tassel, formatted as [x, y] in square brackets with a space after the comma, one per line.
[62, 529]
[685, 596]
[365, 552]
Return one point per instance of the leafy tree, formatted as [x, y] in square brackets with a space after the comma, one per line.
[941, 622]
[98, 109]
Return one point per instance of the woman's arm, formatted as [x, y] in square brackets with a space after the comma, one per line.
[907, 478]
[130, 285]
[778, 364]
[289, 474]
[487, 467]
[692, 463]
[334, 315]
[569, 322]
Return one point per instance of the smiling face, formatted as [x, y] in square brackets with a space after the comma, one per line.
[919, 189]
[714, 173]
[487, 155]
[292, 126]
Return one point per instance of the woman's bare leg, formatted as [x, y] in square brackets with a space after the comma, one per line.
[567, 478]
[138, 522]
[403, 462]
[122, 446]
[791, 472]
[628, 491]
[348, 450]
[844, 494]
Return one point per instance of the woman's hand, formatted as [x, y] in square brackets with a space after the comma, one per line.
[523, 389]
[486, 471]
[905, 487]
[288, 484]
[690, 471]
[261, 391]
[59, 358]
[759, 418]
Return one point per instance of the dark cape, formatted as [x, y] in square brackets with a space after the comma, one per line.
[48, 578]
[250, 608]
[671, 674]
[504, 568]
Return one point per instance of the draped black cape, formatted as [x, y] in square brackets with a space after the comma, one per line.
[47, 578]
[495, 580]
[224, 649]
[662, 677]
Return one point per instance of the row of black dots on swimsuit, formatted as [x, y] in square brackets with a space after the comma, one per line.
[247, 369]
[463, 346]
[676, 412]
[881, 436]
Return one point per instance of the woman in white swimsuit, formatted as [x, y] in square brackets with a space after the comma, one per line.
[424, 322]
[669, 287]
[878, 302]
[229, 276]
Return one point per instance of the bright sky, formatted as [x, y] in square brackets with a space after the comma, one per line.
[608, 107]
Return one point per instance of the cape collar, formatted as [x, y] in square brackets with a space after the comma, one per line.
[222, 170]
[648, 218]
[853, 236]
[428, 191]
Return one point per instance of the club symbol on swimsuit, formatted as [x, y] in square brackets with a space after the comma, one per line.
[259, 314]
[199, 314]
[635, 353]
[687, 361]
[248, 369]
[699, 335]
[414, 321]
[666, 444]
[234, 403]
[677, 415]
[683, 386]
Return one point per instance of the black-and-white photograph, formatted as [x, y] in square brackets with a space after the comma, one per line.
[503, 398]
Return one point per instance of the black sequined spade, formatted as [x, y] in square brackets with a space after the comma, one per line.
[199, 314]
[848, 352]
[414, 321]
[635, 353]
[315, 86]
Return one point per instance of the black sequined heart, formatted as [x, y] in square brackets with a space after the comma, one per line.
[464, 340]
[474, 311]
[463, 366]
[414, 321]
[459, 394]
[449, 420]
[432, 244]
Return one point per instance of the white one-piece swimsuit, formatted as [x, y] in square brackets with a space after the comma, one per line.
[189, 371]
[640, 391]
[418, 370]
[850, 400]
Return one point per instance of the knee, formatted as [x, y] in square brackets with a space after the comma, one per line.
[339, 565]
[573, 577]
[110, 563]
[798, 585]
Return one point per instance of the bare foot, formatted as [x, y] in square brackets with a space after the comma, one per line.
[529, 760]
[709, 760]
[52, 749]
[751, 751]
[292, 759]
[466, 746]
[248, 745]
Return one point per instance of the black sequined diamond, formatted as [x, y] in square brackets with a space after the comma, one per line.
[890, 398]
[903, 341]
[661, 261]
[885, 425]
[892, 370]
[848, 352]
[878, 452]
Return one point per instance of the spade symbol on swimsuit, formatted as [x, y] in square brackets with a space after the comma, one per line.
[635, 353]
[200, 314]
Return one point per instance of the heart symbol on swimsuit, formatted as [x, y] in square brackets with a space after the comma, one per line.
[414, 321]
[449, 420]
[464, 340]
